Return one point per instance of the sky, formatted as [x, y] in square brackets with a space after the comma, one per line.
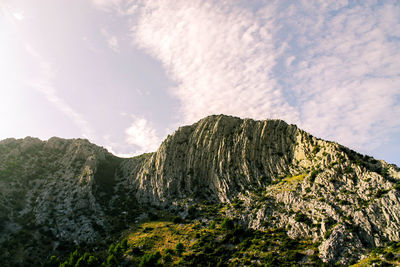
[125, 73]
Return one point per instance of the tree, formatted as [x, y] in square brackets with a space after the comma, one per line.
[111, 249]
[168, 258]
[227, 224]
[53, 262]
[124, 244]
[112, 261]
[179, 248]
[151, 260]
[73, 257]
[93, 261]
[81, 262]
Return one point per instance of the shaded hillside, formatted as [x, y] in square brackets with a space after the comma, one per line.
[263, 175]
[57, 193]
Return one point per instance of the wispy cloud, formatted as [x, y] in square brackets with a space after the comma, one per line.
[331, 67]
[121, 7]
[18, 15]
[221, 57]
[44, 85]
[113, 43]
[345, 76]
[112, 40]
[143, 135]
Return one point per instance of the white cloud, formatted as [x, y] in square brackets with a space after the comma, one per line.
[18, 15]
[143, 135]
[112, 40]
[107, 4]
[221, 57]
[121, 7]
[331, 67]
[347, 89]
[113, 43]
[44, 85]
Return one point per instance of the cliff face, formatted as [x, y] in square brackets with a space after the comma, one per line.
[268, 174]
[216, 158]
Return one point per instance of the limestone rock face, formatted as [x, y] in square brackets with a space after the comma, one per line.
[266, 174]
[217, 157]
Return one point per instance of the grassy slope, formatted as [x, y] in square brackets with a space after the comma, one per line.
[382, 256]
[220, 242]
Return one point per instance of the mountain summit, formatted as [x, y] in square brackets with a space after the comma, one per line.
[259, 177]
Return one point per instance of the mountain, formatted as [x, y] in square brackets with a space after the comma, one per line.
[230, 191]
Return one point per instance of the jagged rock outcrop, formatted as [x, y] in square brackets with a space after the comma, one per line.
[217, 157]
[268, 174]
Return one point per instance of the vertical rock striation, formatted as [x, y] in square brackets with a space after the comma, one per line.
[216, 158]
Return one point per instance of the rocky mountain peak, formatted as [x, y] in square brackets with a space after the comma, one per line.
[218, 157]
[264, 174]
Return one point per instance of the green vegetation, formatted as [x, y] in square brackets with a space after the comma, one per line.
[151, 260]
[316, 149]
[314, 174]
[388, 255]
[380, 193]
[179, 248]
[397, 186]
[300, 217]
[164, 243]
[348, 169]
[289, 183]
[227, 224]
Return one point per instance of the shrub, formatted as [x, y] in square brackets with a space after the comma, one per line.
[53, 262]
[179, 248]
[212, 225]
[111, 249]
[136, 251]
[119, 249]
[316, 149]
[150, 260]
[177, 219]
[389, 256]
[92, 261]
[153, 216]
[74, 256]
[191, 210]
[227, 224]
[385, 172]
[300, 217]
[124, 244]
[380, 193]
[168, 257]
[344, 202]
[397, 186]
[348, 169]
[328, 234]
[169, 251]
[112, 261]
[313, 175]
[81, 262]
